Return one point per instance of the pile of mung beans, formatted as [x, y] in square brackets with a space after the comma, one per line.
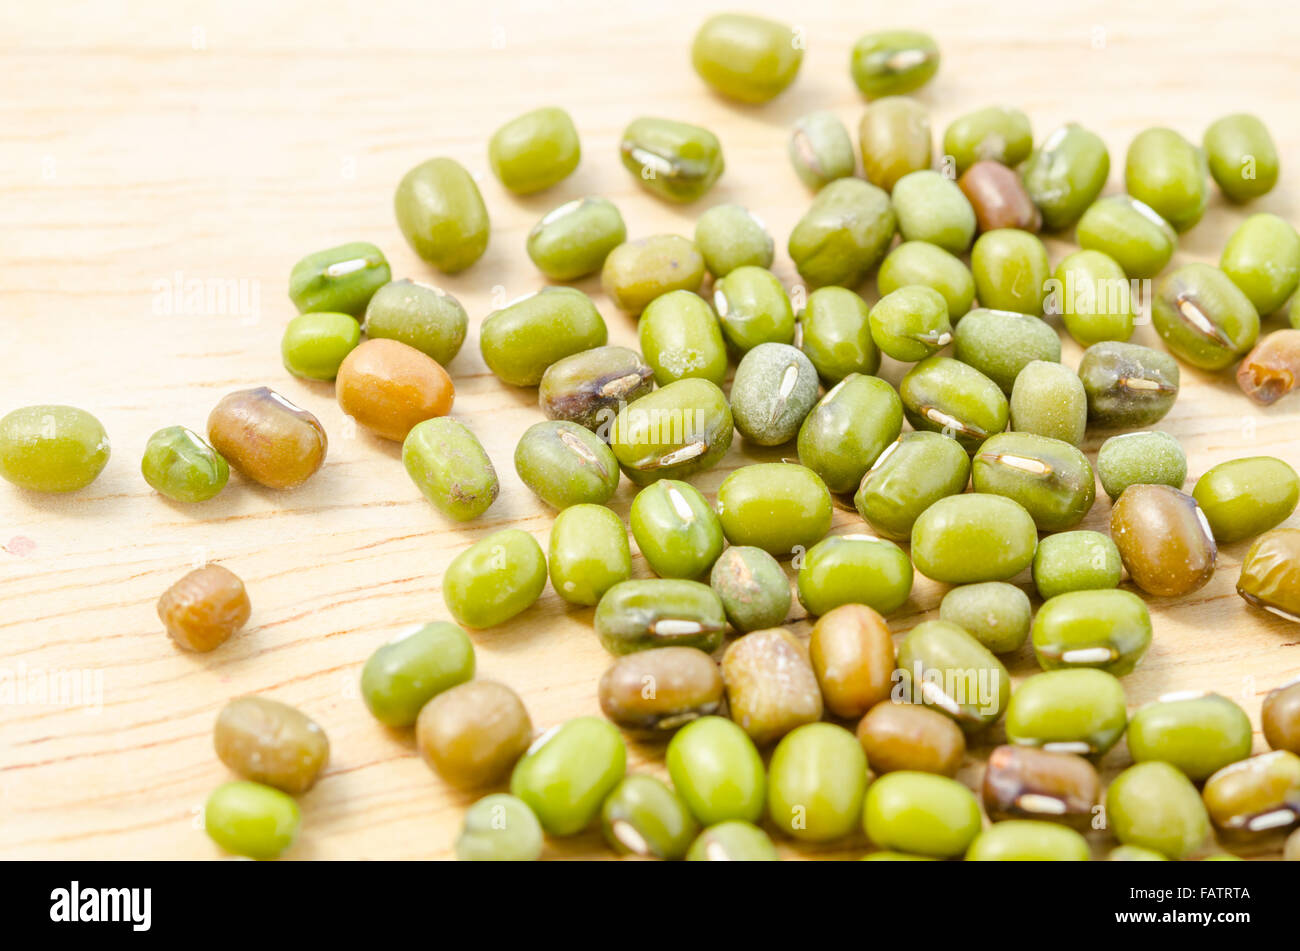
[863, 734]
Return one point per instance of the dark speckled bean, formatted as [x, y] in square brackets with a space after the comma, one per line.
[1128, 385]
[588, 387]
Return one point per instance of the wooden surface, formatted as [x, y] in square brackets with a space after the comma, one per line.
[146, 146]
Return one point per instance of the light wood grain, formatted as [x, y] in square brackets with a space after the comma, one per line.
[149, 142]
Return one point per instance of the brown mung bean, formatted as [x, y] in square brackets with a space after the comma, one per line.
[472, 734]
[271, 742]
[206, 607]
[388, 387]
[999, 198]
[267, 438]
[908, 736]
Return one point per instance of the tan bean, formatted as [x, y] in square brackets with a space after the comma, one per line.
[1280, 717]
[771, 687]
[206, 607]
[1272, 369]
[1255, 797]
[472, 734]
[271, 742]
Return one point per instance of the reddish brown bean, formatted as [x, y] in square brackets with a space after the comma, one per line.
[203, 609]
[909, 736]
[1021, 782]
[999, 198]
[388, 387]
